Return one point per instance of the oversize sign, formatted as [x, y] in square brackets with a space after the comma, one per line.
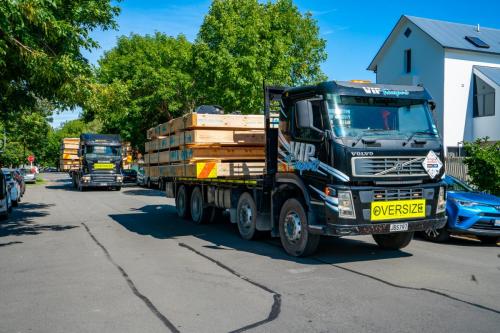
[395, 210]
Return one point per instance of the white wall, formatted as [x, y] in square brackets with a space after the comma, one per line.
[427, 65]
[459, 125]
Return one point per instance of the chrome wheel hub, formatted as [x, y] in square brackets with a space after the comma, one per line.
[293, 227]
[245, 216]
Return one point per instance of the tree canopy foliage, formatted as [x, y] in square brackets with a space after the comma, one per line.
[483, 162]
[146, 80]
[143, 81]
[244, 43]
[40, 49]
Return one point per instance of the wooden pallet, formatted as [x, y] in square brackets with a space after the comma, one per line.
[214, 121]
[206, 154]
[202, 137]
[70, 146]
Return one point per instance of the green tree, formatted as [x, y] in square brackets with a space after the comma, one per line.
[143, 81]
[483, 162]
[52, 145]
[40, 49]
[243, 43]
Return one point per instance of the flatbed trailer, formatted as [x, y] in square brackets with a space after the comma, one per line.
[321, 177]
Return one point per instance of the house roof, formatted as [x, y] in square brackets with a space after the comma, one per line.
[448, 35]
[493, 73]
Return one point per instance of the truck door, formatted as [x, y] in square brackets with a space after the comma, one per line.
[308, 147]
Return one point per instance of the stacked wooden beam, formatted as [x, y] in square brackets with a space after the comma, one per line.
[69, 154]
[197, 144]
[126, 155]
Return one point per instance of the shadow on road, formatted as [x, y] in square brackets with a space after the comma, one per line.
[161, 221]
[22, 221]
[145, 192]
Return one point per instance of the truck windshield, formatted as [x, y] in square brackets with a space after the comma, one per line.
[352, 116]
[96, 151]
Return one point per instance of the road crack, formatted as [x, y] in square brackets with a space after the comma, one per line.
[132, 286]
[394, 285]
[276, 307]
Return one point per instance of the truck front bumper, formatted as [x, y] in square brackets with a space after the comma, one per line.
[375, 228]
[102, 184]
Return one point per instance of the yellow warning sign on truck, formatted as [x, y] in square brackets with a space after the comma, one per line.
[206, 170]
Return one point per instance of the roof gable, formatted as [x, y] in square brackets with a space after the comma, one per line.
[447, 34]
[493, 73]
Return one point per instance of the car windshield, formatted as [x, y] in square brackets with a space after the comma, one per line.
[351, 116]
[129, 172]
[98, 151]
[457, 185]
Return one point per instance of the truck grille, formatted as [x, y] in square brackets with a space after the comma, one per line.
[410, 166]
[103, 178]
[397, 194]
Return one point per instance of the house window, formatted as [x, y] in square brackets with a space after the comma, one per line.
[407, 32]
[407, 61]
[484, 98]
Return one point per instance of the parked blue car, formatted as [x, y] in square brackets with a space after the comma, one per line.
[469, 212]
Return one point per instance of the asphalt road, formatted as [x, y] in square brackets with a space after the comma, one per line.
[123, 262]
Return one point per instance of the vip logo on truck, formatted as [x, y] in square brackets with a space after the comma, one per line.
[302, 156]
[385, 92]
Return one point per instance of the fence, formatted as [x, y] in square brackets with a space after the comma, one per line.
[456, 167]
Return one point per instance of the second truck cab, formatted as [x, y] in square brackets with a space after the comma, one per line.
[100, 162]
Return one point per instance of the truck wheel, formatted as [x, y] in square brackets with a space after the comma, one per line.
[294, 234]
[118, 188]
[436, 235]
[199, 213]
[182, 202]
[246, 216]
[15, 203]
[488, 239]
[393, 241]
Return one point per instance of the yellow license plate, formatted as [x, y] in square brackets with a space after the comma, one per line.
[395, 210]
[103, 166]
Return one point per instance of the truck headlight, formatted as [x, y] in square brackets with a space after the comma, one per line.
[441, 205]
[346, 205]
[119, 178]
[85, 179]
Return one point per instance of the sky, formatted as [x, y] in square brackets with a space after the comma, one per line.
[354, 30]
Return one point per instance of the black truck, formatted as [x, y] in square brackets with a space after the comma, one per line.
[100, 162]
[343, 159]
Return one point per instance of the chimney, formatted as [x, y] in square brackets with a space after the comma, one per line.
[478, 28]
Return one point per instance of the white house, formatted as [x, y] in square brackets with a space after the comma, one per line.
[459, 64]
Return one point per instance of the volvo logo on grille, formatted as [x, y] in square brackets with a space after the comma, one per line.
[362, 153]
[399, 167]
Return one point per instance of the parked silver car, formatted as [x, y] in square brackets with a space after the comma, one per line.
[5, 202]
[29, 175]
[12, 186]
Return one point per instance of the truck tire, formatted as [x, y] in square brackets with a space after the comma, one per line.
[393, 241]
[118, 188]
[488, 239]
[15, 203]
[246, 216]
[436, 235]
[199, 213]
[294, 234]
[182, 202]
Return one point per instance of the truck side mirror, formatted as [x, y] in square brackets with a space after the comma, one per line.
[432, 105]
[304, 114]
